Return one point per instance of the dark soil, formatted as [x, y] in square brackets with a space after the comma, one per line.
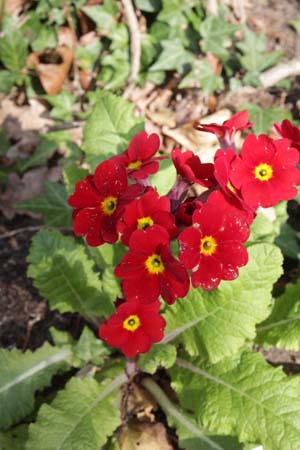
[25, 318]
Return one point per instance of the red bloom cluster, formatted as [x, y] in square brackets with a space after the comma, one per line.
[211, 228]
[289, 131]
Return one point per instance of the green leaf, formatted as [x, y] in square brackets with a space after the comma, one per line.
[104, 19]
[216, 34]
[82, 416]
[7, 80]
[287, 241]
[90, 349]
[22, 374]
[64, 275]
[282, 329]
[14, 439]
[87, 55]
[62, 105]
[242, 395]
[264, 118]
[159, 355]
[72, 174]
[148, 5]
[256, 58]
[52, 204]
[165, 178]
[46, 38]
[41, 154]
[13, 50]
[173, 57]
[218, 323]
[109, 128]
[202, 75]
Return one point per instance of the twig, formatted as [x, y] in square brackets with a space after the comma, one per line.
[212, 7]
[135, 42]
[12, 233]
[283, 70]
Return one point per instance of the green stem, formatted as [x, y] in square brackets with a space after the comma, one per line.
[175, 413]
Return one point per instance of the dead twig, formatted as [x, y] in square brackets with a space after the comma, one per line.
[283, 70]
[12, 233]
[135, 43]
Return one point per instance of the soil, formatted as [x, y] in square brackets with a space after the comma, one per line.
[25, 318]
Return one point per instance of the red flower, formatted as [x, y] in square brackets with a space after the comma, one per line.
[99, 201]
[239, 121]
[223, 162]
[148, 210]
[289, 131]
[266, 171]
[229, 204]
[212, 248]
[186, 210]
[138, 159]
[134, 327]
[190, 168]
[149, 270]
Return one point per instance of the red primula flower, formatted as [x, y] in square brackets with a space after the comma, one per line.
[212, 248]
[148, 210]
[149, 269]
[289, 131]
[134, 327]
[223, 161]
[186, 210]
[99, 201]
[138, 158]
[239, 121]
[266, 171]
[190, 168]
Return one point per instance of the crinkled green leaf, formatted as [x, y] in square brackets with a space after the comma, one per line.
[173, 57]
[90, 349]
[22, 374]
[81, 417]
[52, 204]
[14, 439]
[88, 54]
[242, 396]
[165, 178]
[104, 19]
[148, 5]
[217, 323]
[62, 105]
[215, 33]
[7, 80]
[109, 127]
[13, 50]
[282, 328]
[159, 355]
[64, 275]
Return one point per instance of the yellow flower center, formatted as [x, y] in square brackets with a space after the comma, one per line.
[132, 323]
[134, 165]
[109, 205]
[230, 187]
[208, 246]
[154, 264]
[263, 172]
[144, 222]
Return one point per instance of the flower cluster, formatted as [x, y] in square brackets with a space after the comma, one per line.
[118, 202]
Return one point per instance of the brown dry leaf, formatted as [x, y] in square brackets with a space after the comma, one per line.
[15, 7]
[20, 120]
[137, 402]
[203, 144]
[144, 436]
[29, 186]
[66, 37]
[52, 67]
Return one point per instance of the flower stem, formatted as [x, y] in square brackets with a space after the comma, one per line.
[131, 367]
[175, 413]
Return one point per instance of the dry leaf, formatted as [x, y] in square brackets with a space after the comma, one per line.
[66, 37]
[52, 67]
[203, 144]
[15, 7]
[20, 120]
[137, 402]
[144, 436]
